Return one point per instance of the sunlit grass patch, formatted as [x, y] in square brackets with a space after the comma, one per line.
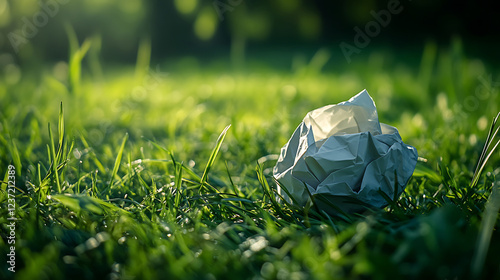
[133, 177]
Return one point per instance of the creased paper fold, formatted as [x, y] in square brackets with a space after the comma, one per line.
[344, 157]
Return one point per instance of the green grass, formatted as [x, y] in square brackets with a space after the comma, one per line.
[142, 178]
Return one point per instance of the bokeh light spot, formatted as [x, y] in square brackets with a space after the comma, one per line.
[4, 13]
[186, 6]
[205, 24]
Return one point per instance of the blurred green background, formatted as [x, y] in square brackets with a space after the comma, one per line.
[207, 28]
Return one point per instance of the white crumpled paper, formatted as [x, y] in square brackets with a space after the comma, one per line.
[344, 157]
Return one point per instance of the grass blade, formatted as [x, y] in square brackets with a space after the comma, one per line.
[99, 165]
[178, 187]
[55, 162]
[143, 59]
[215, 151]
[233, 186]
[61, 126]
[486, 230]
[118, 160]
[174, 162]
[11, 146]
[267, 190]
[75, 58]
[422, 170]
[483, 159]
[78, 203]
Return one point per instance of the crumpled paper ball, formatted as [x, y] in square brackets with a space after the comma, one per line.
[343, 156]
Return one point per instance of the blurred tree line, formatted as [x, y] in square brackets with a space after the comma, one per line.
[38, 28]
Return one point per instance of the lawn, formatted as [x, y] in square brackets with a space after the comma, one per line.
[133, 172]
